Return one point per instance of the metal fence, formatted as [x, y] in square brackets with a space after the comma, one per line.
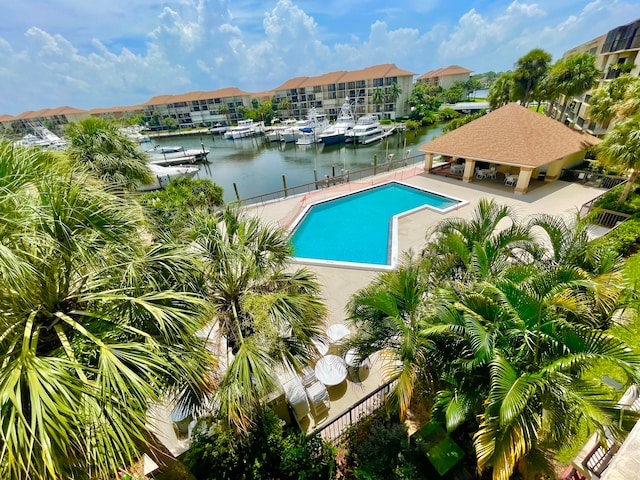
[593, 179]
[334, 430]
[601, 216]
[328, 181]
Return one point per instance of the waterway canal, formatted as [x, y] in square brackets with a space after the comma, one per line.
[257, 167]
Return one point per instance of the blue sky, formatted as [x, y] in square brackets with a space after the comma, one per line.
[90, 54]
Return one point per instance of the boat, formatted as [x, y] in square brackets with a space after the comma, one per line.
[307, 137]
[42, 138]
[245, 128]
[176, 155]
[134, 133]
[218, 128]
[367, 130]
[316, 121]
[344, 123]
[163, 175]
[273, 135]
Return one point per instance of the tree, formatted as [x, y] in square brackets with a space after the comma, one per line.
[608, 101]
[501, 91]
[97, 324]
[284, 106]
[387, 317]
[530, 70]
[574, 76]
[268, 315]
[97, 146]
[224, 110]
[170, 123]
[377, 98]
[455, 92]
[425, 97]
[394, 92]
[621, 148]
[472, 85]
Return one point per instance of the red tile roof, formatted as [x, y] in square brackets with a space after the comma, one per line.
[512, 135]
[442, 72]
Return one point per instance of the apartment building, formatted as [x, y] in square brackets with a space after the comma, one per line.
[445, 77]
[328, 92]
[616, 53]
[325, 92]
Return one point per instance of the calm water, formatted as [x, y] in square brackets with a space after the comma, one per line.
[335, 230]
[257, 167]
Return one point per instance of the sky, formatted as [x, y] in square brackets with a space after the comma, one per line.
[100, 53]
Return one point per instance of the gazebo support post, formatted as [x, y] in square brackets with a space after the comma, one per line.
[553, 171]
[469, 168]
[428, 161]
[523, 180]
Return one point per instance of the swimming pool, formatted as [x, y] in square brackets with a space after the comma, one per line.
[360, 229]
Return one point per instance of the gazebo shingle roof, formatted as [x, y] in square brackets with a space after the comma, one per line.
[512, 135]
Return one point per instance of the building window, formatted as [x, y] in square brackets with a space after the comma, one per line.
[317, 89]
[341, 86]
[331, 87]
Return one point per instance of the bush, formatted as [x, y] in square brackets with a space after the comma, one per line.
[622, 239]
[266, 452]
[609, 201]
[447, 114]
[386, 121]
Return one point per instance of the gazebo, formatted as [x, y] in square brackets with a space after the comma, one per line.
[513, 139]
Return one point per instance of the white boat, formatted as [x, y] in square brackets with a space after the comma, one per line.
[366, 130]
[163, 175]
[273, 135]
[218, 128]
[344, 123]
[43, 138]
[316, 121]
[245, 128]
[134, 133]
[307, 137]
[173, 155]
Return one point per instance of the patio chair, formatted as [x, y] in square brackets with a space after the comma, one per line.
[510, 180]
[318, 400]
[308, 376]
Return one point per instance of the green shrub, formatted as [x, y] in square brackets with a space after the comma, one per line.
[609, 201]
[412, 125]
[447, 114]
[622, 239]
[266, 452]
[386, 121]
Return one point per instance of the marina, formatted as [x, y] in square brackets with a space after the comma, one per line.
[256, 166]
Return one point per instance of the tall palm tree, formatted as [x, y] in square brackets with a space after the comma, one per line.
[268, 315]
[574, 76]
[607, 102]
[621, 148]
[501, 91]
[285, 105]
[97, 324]
[530, 69]
[387, 316]
[394, 92]
[97, 146]
[377, 98]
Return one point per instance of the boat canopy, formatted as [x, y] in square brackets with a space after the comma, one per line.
[306, 130]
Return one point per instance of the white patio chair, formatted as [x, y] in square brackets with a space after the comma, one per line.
[319, 403]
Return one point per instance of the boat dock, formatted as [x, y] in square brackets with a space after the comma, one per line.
[385, 133]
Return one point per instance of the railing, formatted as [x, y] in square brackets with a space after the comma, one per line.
[606, 218]
[598, 459]
[328, 181]
[366, 406]
[593, 179]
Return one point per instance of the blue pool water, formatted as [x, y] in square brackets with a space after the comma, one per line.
[356, 228]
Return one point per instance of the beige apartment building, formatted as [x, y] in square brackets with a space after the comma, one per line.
[616, 52]
[206, 108]
[445, 77]
[328, 92]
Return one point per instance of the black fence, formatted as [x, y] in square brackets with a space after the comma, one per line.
[593, 179]
[343, 176]
[333, 430]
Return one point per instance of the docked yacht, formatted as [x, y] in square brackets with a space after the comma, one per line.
[245, 128]
[176, 155]
[273, 135]
[367, 130]
[134, 133]
[317, 122]
[42, 138]
[344, 123]
[163, 175]
[218, 128]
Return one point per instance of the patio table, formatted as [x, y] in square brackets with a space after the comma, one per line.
[337, 332]
[331, 370]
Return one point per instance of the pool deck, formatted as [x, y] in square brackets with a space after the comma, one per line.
[340, 283]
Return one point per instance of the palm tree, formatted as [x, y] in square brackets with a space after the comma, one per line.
[284, 105]
[394, 92]
[530, 69]
[97, 324]
[482, 246]
[574, 76]
[97, 146]
[621, 148]
[501, 91]
[607, 102]
[268, 315]
[377, 98]
[387, 316]
[224, 110]
[514, 352]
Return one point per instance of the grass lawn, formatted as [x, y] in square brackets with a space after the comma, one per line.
[629, 333]
[535, 106]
